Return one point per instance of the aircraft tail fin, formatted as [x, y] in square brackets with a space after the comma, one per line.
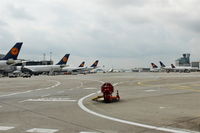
[172, 65]
[94, 65]
[154, 65]
[14, 52]
[82, 64]
[161, 64]
[64, 60]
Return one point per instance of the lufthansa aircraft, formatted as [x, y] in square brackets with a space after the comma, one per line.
[166, 68]
[11, 57]
[154, 68]
[39, 69]
[93, 66]
[89, 69]
[81, 68]
[82, 64]
[184, 68]
[173, 68]
[74, 69]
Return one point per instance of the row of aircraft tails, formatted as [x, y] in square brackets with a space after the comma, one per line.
[12, 65]
[172, 68]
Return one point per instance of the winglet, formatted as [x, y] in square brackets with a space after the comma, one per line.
[14, 52]
[95, 64]
[64, 60]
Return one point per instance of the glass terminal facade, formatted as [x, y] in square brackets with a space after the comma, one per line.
[183, 61]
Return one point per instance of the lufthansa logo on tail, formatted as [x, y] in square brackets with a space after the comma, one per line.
[82, 65]
[15, 51]
[65, 59]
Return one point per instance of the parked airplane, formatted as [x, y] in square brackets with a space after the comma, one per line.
[184, 68]
[81, 68]
[82, 64]
[154, 68]
[112, 70]
[73, 69]
[11, 57]
[39, 69]
[92, 67]
[166, 68]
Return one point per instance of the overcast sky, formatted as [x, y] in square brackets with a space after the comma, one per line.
[120, 33]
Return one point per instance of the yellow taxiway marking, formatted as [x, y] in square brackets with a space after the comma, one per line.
[185, 88]
[172, 86]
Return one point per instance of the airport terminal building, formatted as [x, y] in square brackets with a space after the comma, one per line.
[183, 61]
[33, 63]
[195, 64]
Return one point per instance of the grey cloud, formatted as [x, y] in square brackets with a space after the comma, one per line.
[2, 23]
[191, 24]
[139, 29]
[36, 42]
[7, 39]
[184, 21]
[122, 3]
[19, 12]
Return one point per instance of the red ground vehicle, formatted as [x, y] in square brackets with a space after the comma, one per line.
[107, 89]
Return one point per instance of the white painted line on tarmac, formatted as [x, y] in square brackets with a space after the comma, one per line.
[18, 93]
[49, 100]
[4, 128]
[88, 132]
[60, 92]
[80, 85]
[165, 129]
[115, 84]
[42, 130]
[90, 88]
[150, 90]
[162, 107]
[46, 95]
[188, 131]
[100, 81]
